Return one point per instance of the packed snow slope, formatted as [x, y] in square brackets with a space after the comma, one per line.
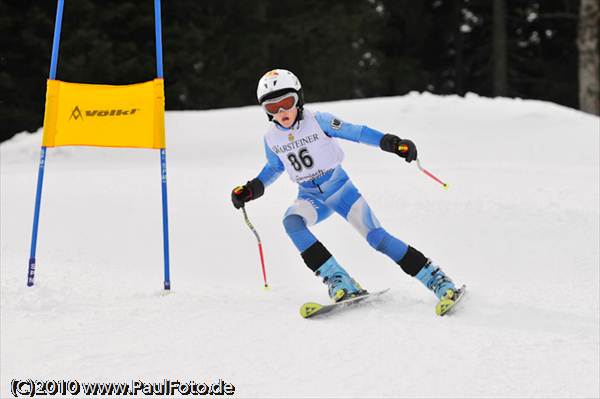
[519, 225]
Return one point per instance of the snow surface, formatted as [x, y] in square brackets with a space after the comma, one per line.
[519, 225]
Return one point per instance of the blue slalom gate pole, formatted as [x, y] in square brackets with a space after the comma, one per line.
[36, 218]
[163, 152]
[158, 34]
[56, 40]
[40, 181]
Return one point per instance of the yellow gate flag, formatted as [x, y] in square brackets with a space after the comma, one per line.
[81, 114]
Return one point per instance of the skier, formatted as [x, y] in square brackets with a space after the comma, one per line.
[303, 143]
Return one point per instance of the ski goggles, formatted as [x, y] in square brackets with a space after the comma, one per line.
[285, 102]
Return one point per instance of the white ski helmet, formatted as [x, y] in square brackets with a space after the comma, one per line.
[277, 82]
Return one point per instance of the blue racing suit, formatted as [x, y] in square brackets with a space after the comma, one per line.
[332, 191]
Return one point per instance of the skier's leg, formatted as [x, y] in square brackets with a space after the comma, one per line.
[308, 210]
[350, 204]
[305, 211]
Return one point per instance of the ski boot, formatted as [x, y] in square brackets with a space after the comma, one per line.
[434, 278]
[341, 286]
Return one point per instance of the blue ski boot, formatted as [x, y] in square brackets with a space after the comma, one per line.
[341, 285]
[434, 278]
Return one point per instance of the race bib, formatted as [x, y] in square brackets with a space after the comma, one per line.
[305, 150]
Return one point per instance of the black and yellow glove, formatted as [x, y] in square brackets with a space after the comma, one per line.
[403, 148]
[248, 192]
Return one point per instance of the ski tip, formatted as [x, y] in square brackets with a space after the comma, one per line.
[444, 306]
[309, 308]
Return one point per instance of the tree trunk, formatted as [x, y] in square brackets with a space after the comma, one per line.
[459, 48]
[499, 40]
[589, 59]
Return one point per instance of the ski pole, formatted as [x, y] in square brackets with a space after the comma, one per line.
[404, 148]
[260, 250]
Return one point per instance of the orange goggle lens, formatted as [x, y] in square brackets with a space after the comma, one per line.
[286, 103]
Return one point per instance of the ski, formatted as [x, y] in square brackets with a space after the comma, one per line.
[312, 309]
[445, 308]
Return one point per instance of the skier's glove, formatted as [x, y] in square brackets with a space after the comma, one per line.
[248, 192]
[404, 148]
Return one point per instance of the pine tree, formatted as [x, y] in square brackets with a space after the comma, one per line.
[589, 59]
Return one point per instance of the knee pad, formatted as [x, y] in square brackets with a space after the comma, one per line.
[293, 223]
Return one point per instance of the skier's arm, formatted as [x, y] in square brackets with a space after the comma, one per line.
[255, 188]
[335, 127]
[273, 168]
